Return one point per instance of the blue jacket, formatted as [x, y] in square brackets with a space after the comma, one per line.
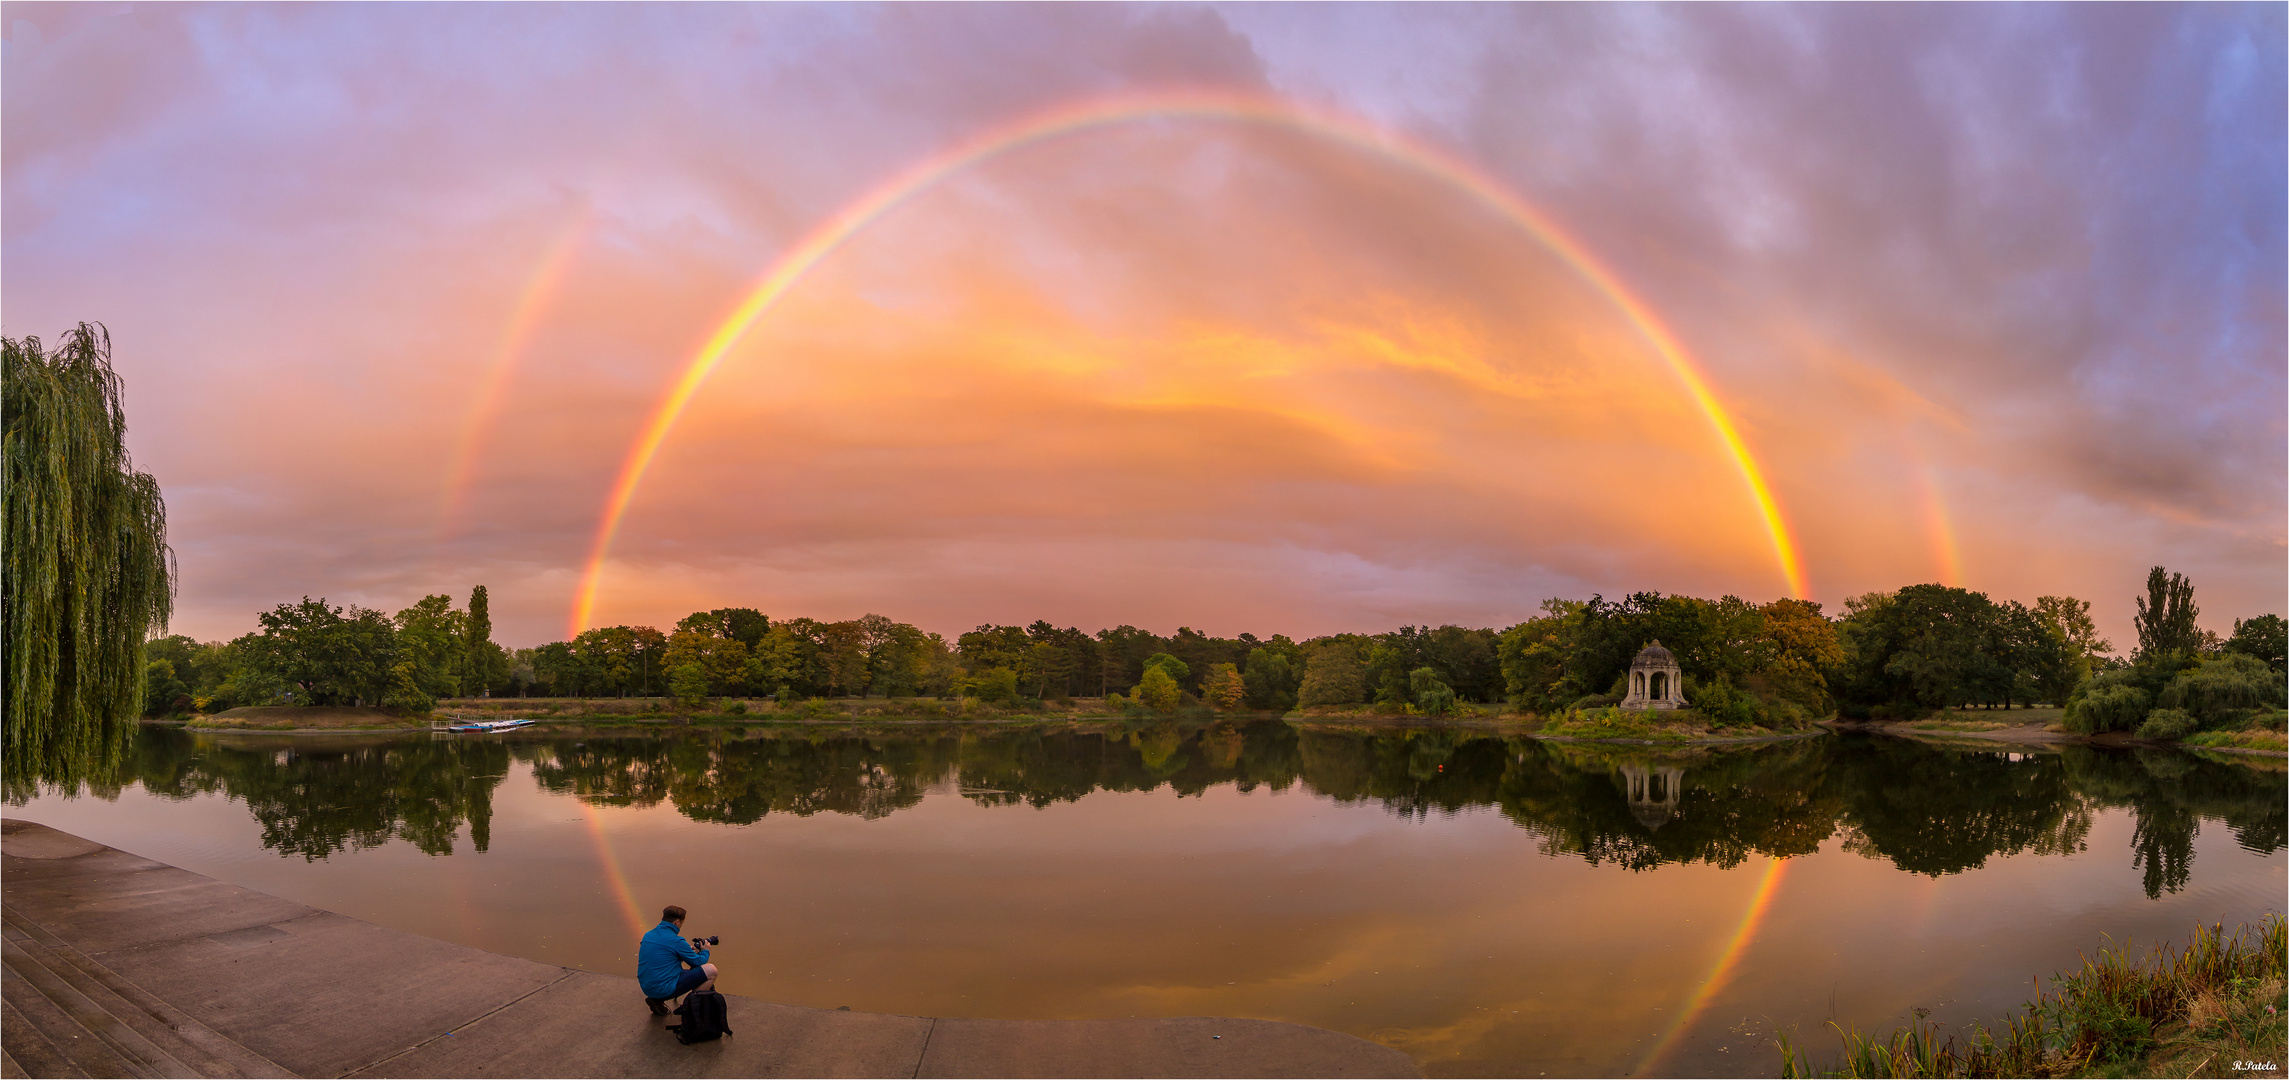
[661, 957]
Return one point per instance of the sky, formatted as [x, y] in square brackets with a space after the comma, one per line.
[1282, 319]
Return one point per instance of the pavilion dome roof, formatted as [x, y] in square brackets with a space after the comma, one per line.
[1654, 656]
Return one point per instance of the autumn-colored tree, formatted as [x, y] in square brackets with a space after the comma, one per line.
[1223, 687]
[1802, 648]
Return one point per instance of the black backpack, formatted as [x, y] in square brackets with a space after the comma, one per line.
[705, 1018]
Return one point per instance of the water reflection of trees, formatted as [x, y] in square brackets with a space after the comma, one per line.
[314, 797]
[1925, 810]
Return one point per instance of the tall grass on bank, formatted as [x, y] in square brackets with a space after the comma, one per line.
[2195, 1012]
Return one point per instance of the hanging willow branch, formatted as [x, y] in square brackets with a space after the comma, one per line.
[85, 571]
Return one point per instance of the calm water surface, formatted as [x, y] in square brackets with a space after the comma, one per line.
[1492, 906]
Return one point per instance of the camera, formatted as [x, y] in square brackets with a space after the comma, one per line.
[705, 942]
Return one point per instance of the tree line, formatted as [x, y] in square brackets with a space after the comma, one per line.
[1777, 664]
[315, 653]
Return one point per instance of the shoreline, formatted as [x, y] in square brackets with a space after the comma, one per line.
[633, 725]
[2030, 735]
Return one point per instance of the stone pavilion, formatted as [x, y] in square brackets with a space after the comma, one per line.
[1655, 681]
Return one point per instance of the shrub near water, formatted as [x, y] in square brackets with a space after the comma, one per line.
[2175, 1013]
[2224, 689]
[2165, 725]
[2108, 701]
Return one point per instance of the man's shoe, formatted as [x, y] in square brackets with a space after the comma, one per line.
[659, 1008]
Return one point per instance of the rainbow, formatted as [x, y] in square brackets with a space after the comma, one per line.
[539, 289]
[1226, 107]
[1938, 530]
[1721, 972]
[613, 875]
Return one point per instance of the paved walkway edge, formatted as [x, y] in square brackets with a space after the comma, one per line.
[139, 968]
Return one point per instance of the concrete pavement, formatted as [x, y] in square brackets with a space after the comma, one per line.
[118, 965]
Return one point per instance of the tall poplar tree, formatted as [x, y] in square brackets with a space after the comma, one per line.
[2166, 614]
[85, 572]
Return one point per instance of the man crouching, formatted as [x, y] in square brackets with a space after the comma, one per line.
[667, 966]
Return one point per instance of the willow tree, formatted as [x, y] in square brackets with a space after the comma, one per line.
[85, 571]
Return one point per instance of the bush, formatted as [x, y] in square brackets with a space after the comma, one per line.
[994, 686]
[1432, 695]
[2167, 725]
[737, 708]
[1724, 706]
[2108, 701]
[2223, 689]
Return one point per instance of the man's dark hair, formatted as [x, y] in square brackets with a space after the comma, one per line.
[672, 913]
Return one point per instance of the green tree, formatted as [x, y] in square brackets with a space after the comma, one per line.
[2264, 637]
[1334, 674]
[87, 576]
[2166, 615]
[687, 683]
[326, 655]
[2223, 688]
[1532, 654]
[723, 661]
[432, 653]
[845, 655]
[164, 694]
[2070, 619]
[1275, 670]
[1158, 690]
[1177, 669]
[1432, 696]
[994, 686]
[777, 662]
[484, 665]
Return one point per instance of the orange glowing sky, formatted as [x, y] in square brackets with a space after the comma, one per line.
[1247, 318]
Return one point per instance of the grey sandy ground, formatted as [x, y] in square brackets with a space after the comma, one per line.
[120, 966]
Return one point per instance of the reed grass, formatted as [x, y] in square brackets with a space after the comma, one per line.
[2197, 1011]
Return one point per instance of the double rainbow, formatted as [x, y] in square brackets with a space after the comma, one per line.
[1223, 107]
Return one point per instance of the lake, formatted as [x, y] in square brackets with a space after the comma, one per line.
[1491, 905]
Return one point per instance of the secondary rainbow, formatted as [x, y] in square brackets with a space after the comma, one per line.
[540, 288]
[1133, 108]
[1939, 531]
[1720, 973]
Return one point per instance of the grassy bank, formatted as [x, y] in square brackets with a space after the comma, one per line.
[2200, 1011]
[309, 718]
[833, 711]
[2262, 730]
[1663, 726]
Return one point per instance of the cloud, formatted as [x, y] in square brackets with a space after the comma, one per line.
[2028, 259]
